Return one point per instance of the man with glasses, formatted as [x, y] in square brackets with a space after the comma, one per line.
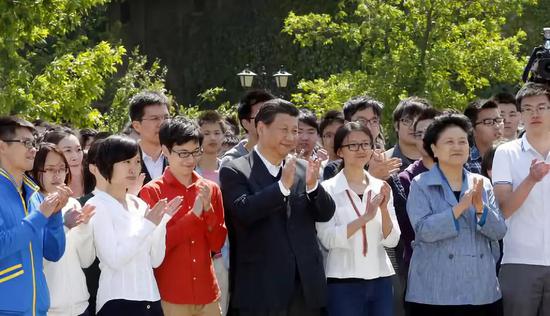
[30, 231]
[249, 106]
[522, 188]
[488, 127]
[148, 109]
[186, 278]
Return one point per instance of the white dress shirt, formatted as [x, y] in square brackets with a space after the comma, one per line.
[345, 255]
[128, 247]
[66, 280]
[527, 240]
[153, 166]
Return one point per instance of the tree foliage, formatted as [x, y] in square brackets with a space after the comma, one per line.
[447, 51]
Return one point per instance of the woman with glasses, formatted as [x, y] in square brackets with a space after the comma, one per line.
[358, 269]
[65, 278]
[129, 237]
[455, 219]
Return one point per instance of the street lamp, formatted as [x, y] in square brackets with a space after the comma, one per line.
[246, 77]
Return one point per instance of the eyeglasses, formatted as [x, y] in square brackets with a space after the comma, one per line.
[185, 154]
[530, 110]
[55, 171]
[28, 143]
[419, 134]
[365, 122]
[355, 147]
[406, 121]
[491, 122]
[155, 118]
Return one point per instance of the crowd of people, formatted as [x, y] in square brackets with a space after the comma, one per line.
[301, 216]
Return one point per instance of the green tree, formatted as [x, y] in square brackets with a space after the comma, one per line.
[447, 51]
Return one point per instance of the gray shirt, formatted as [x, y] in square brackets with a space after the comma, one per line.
[238, 151]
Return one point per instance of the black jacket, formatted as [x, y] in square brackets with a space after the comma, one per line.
[272, 238]
[144, 167]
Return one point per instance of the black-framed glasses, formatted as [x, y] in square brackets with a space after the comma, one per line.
[28, 143]
[55, 171]
[491, 122]
[365, 122]
[355, 147]
[406, 121]
[185, 154]
[156, 118]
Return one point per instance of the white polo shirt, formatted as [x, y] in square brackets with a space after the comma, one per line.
[528, 238]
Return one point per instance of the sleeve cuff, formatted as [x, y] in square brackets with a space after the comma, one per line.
[314, 188]
[483, 217]
[284, 191]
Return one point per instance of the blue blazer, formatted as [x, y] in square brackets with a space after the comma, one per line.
[452, 263]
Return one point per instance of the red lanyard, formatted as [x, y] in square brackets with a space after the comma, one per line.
[364, 227]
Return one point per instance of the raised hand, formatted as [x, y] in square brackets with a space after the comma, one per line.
[205, 194]
[464, 203]
[373, 205]
[155, 214]
[386, 192]
[477, 195]
[70, 219]
[64, 193]
[382, 167]
[538, 170]
[288, 173]
[312, 173]
[86, 214]
[173, 206]
[49, 205]
[322, 154]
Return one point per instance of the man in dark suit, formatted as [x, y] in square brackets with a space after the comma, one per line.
[272, 201]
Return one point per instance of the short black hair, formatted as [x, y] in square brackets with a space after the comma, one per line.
[140, 101]
[57, 134]
[360, 103]
[531, 89]
[211, 117]
[505, 98]
[346, 129]
[426, 114]
[472, 110]
[86, 134]
[252, 97]
[90, 159]
[273, 107]
[178, 131]
[113, 149]
[309, 118]
[439, 125]
[332, 116]
[9, 125]
[410, 107]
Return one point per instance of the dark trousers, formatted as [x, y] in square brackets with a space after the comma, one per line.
[525, 289]
[494, 309]
[297, 307]
[348, 297]
[131, 308]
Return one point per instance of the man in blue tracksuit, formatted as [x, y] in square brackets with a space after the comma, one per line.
[30, 230]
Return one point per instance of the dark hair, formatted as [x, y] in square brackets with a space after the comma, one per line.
[531, 89]
[487, 160]
[114, 149]
[332, 116]
[140, 101]
[179, 130]
[251, 98]
[472, 110]
[90, 159]
[307, 117]
[360, 103]
[343, 132]
[439, 125]
[211, 117]
[232, 124]
[411, 106]
[230, 140]
[9, 125]
[40, 160]
[505, 98]
[426, 114]
[273, 107]
[56, 135]
[86, 134]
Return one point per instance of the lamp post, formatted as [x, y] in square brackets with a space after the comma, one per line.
[247, 76]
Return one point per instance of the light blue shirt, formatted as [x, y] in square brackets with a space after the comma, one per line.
[452, 263]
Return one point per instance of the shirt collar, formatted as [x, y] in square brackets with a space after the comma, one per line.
[145, 156]
[172, 180]
[341, 183]
[435, 177]
[525, 146]
[273, 169]
[474, 153]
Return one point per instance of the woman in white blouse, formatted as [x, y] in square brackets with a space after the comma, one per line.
[128, 236]
[358, 269]
[66, 280]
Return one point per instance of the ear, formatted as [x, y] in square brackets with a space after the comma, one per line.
[260, 129]
[396, 126]
[165, 151]
[432, 146]
[136, 125]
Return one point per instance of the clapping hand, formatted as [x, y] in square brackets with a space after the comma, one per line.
[312, 173]
[373, 205]
[162, 207]
[538, 170]
[289, 171]
[477, 195]
[382, 167]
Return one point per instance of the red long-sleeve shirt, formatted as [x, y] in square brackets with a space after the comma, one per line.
[186, 276]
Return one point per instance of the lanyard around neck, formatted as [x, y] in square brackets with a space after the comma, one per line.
[364, 227]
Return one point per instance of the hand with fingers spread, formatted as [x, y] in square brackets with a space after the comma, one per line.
[322, 154]
[70, 218]
[85, 214]
[288, 173]
[312, 173]
[162, 207]
[538, 170]
[382, 167]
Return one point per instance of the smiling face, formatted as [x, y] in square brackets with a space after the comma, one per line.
[307, 138]
[452, 147]
[70, 147]
[356, 149]
[54, 172]
[15, 155]
[183, 158]
[280, 137]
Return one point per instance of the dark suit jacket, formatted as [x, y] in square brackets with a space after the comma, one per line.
[144, 167]
[272, 238]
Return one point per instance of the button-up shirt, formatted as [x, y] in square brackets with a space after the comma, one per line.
[187, 276]
[528, 237]
[345, 258]
[153, 166]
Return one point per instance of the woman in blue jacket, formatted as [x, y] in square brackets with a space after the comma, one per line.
[455, 218]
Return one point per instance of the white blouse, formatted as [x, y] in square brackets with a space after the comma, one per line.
[66, 280]
[345, 255]
[128, 247]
